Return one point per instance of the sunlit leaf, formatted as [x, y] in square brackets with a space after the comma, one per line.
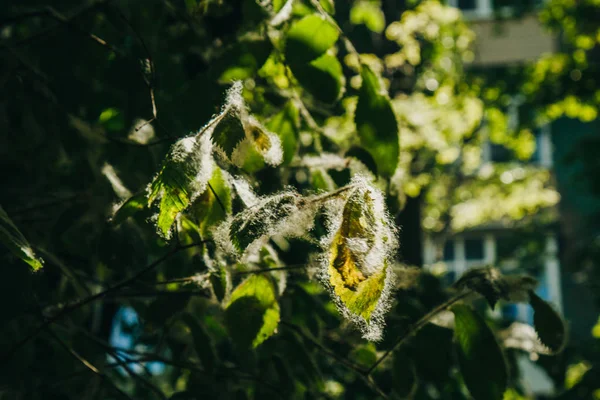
[252, 314]
[376, 123]
[14, 240]
[220, 282]
[183, 177]
[214, 204]
[323, 78]
[285, 125]
[368, 13]
[308, 39]
[131, 206]
[549, 325]
[481, 360]
[357, 265]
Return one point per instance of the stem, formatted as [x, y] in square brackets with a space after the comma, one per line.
[413, 329]
[335, 193]
[80, 303]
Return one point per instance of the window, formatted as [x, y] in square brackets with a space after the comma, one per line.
[449, 250]
[474, 249]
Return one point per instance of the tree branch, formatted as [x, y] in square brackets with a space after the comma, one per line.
[80, 303]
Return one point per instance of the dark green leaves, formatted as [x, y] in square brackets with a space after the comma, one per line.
[376, 123]
[202, 342]
[319, 73]
[481, 360]
[14, 240]
[404, 375]
[229, 131]
[322, 77]
[252, 314]
[548, 324]
[309, 38]
[260, 220]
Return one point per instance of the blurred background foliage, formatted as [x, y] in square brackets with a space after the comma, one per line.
[95, 92]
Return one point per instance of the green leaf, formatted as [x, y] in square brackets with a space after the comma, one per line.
[252, 314]
[243, 59]
[309, 39]
[181, 179]
[357, 268]
[549, 325]
[214, 204]
[364, 157]
[202, 342]
[368, 13]
[112, 119]
[404, 375]
[131, 206]
[219, 282]
[323, 78]
[376, 123]
[285, 125]
[14, 240]
[259, 220]
[229, 131]
[480, 358]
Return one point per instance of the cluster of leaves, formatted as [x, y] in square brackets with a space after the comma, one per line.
[300, 170]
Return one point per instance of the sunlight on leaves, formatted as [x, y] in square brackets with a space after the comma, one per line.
[376, 123]
[252, 314]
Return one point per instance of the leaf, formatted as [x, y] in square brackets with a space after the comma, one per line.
[480, 358]
[131, 206]
[219, 281]
[357, 269]
[309, 39]
[368, 13]
[252, 314]
[214, 204]
[14, 240]
[229, 131]
[364, 157]
[493, 286]
[261, 220]
[404, 375]
[323, 78]
[376, 123]
[549, 325]
[183, 177]
[285, 125]
[202, 342]
[243, 59]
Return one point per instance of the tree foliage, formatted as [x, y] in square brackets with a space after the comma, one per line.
[226, 178]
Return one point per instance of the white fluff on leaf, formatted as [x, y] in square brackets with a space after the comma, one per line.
[182, 178]
[285, 214]
[356, 266]
[236, 132]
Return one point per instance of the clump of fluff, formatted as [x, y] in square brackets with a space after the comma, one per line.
[371, 257]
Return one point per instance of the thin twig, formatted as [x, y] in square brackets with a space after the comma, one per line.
[413, 329]
[80, 303]
[85, 362]
[217, 198]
